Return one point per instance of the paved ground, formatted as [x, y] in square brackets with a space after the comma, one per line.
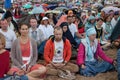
[102, 76]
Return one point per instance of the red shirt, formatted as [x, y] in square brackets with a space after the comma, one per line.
[4, 63]
[17, 16]
[81, 30]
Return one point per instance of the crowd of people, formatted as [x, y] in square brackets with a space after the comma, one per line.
[24, 40]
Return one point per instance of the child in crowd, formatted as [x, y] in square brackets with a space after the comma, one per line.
[4, 58]
[100, 34]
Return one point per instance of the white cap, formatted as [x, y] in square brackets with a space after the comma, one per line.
[83, 14]
[45, 18]
[93, 12]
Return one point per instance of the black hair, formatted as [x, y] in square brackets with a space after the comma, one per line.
[100, 19]
[19, 12]
[8, 14]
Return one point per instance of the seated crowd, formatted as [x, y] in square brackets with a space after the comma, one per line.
[88, 36]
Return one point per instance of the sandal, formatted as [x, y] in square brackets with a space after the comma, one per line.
[66, 75]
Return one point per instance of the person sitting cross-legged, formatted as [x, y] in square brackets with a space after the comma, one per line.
[57, 54]
[87, 58]
[24, 56]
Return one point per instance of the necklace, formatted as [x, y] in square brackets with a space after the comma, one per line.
[99, 31]
[24, 40]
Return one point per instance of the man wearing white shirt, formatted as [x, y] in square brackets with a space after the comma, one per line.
[8, 33]
[10, 20]
[34, 32]
[115, 19]
[57, 55]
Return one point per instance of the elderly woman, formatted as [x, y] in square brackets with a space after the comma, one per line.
[87, 58]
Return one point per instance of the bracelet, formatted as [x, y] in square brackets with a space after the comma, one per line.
[14, 72]
[65, 62]
[24, 71]
[82, 64]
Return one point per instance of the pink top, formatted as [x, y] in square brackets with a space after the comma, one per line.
[99, 52]
[25, 49]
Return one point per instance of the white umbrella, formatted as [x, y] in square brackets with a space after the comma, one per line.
[61, 8]
[107, 9]
[97, 5]
[53, 11]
